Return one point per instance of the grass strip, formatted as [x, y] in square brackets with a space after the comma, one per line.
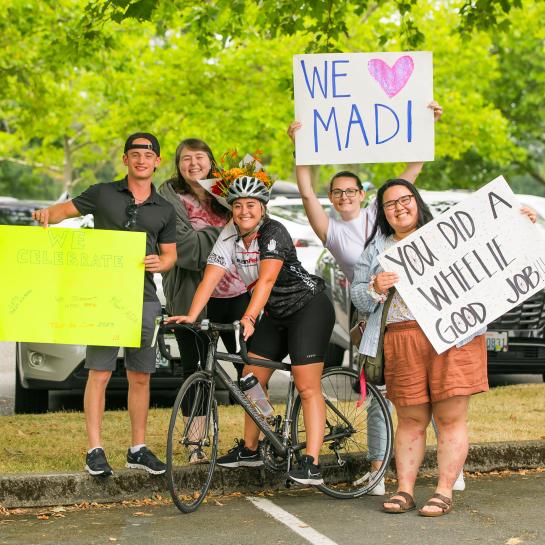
[56, 442]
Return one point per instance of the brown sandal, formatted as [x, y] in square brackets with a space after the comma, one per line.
[440, 501]
[406, 504]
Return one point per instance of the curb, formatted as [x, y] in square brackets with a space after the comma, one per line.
[31, 490]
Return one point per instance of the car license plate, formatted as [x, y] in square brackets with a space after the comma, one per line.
[172, 348]
[497, 341]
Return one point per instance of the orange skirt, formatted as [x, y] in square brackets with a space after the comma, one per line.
[416, 374]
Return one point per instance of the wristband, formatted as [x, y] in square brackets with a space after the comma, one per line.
[250, 318]
[378, 297]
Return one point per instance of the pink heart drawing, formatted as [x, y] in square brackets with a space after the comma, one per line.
[392, 80]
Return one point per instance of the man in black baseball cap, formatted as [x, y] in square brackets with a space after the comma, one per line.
[129, 204]
[153, 142]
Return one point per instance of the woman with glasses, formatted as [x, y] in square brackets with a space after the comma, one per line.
[419, 382]
[345, 238]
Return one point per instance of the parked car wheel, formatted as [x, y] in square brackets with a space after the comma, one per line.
[28, 401]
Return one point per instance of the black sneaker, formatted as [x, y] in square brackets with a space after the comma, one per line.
[145, 459]
[307, 472]
[240, 456]
[96, 463]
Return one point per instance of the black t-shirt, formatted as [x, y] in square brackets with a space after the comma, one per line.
[108, 203]
[294, 286]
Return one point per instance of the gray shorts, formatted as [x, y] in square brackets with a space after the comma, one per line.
[104, 358]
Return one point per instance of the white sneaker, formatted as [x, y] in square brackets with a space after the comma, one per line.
[380, 488]
[459, 483]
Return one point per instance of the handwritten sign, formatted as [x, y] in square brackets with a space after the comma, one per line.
[363, 107]
[74, 286]
[470, 265]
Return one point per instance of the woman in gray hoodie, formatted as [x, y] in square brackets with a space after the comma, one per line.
[199, 220]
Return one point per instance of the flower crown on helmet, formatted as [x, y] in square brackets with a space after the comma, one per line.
[231, 167]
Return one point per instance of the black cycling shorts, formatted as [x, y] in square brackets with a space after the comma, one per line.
[304, 335]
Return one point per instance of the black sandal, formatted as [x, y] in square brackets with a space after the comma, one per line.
[405, 504]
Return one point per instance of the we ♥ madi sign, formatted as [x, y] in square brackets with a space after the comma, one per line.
[363, 107]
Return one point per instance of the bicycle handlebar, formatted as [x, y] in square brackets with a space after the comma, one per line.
[207, 325]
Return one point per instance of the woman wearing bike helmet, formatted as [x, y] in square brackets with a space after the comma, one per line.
[297, 317]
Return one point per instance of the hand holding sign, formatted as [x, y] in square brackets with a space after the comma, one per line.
[470, 265]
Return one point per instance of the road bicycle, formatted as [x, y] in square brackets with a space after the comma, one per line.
[192, 446]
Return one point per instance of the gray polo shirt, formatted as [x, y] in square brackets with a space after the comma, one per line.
[108, 203]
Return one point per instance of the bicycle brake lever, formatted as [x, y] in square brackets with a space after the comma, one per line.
[158, 322]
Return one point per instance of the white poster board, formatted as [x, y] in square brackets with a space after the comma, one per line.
[363, 107]
[469, 265]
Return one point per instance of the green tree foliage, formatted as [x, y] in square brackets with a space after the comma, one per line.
[66, 107]
[322, 22]
[53, 97]
[519, 89]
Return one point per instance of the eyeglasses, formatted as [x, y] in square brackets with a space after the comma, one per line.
[131, 211]
[350, 192]
[403, 201]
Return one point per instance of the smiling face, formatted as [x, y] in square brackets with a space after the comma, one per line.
[403, 218]
[141, 163]
[247, 213]
[194, 165]
[344, 204]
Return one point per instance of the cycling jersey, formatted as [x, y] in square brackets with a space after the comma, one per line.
[294, 286]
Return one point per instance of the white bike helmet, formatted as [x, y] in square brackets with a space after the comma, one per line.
[248, 187]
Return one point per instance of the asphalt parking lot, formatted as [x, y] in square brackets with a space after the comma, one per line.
[493, 510]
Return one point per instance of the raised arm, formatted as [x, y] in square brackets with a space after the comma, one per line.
[412, 170]
[317, 216]
[56, 213]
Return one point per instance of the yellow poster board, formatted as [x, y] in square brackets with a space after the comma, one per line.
[73, 286]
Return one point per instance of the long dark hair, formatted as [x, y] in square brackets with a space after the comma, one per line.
[382, 225]
[179, 183]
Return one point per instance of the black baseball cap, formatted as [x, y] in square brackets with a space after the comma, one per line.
[153, 145]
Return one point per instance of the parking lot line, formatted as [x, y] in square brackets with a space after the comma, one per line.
[292, 522]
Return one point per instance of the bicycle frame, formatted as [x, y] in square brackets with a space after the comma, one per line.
[212, 369]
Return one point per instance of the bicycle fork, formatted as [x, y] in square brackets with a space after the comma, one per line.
[288, 418]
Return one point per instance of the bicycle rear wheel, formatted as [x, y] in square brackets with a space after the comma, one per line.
[344, 462]
[192, 445]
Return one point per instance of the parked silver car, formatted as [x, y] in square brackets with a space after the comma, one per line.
[515, 341]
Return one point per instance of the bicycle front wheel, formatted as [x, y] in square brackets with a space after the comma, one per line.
[350, 433]
[192, 445]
